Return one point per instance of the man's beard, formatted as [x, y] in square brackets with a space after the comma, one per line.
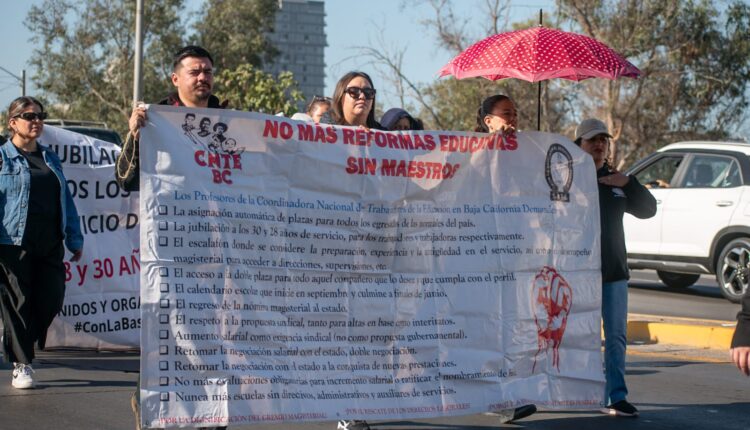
[199, 93]
[202, 95]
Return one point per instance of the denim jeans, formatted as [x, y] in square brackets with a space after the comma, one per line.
[615, 320]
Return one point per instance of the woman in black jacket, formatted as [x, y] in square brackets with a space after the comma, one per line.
[618, 193]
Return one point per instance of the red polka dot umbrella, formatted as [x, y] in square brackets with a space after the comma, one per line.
[538, 54]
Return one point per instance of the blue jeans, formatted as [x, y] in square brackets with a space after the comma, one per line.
[615, 320]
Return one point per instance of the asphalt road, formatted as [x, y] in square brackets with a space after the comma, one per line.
[676, 390]
[702, 300]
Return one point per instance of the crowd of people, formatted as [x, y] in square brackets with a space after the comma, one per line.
[39, 215]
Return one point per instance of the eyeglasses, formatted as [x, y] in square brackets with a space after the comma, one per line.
[31, 116]
[355, 92]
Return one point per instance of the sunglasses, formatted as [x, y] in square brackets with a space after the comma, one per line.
[31, 116]
[355, 92]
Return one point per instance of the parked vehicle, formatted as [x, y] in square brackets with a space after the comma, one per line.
[97, 130]
[702, 223]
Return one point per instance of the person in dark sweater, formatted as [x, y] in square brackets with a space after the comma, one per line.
[193, 79]
[740, 352]
[399, 119]
[618, 194]
[192, 76]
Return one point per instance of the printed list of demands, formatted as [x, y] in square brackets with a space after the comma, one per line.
[299, 296]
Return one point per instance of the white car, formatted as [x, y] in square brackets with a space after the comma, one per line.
[702, 222]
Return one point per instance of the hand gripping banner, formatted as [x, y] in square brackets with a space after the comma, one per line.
[299, 272]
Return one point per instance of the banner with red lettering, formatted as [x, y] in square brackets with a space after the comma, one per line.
[102, 304]
[297, 272]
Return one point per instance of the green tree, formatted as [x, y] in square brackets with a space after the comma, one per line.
[234, 31]
[451, 104]
[248, 88]
[83, 59]
[84, 53]
[457, 102]
[695, 60]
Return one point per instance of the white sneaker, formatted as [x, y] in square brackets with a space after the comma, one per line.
[352, 425]
[22, 378]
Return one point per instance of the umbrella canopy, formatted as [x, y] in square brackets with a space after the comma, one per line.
[538, 54]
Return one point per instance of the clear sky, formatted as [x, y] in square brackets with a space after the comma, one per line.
[349, 23]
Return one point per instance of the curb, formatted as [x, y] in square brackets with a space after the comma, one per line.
[697, 333]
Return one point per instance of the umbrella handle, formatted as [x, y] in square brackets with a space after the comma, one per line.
[539, 91]
[539, 107]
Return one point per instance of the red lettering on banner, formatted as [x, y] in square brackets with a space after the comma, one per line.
[275, 129]
[316, 133]
[361, 166]
[199, 158]
[348, 136]
[511, 142]
[221, 165]
[221, 176]
[213, 160]
[472, 144]
[418, 169]
[236, 162]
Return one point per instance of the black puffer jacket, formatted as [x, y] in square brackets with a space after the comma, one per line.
[127, 166]
[634, 199]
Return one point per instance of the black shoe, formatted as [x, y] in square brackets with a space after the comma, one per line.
[352, 425]
[512, 414]
[621, 409]
[523, 412]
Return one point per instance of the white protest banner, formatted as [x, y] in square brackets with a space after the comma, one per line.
[296, 272]
[101, 308]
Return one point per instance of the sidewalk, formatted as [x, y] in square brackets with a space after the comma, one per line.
[696, 333]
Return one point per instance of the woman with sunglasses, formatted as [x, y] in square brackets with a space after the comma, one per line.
[354, 104]
[38, 216]
[354, 101]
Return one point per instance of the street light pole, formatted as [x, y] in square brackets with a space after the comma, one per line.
[21, 79]
[137, 81]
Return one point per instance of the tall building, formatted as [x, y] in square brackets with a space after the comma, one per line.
[300, 37]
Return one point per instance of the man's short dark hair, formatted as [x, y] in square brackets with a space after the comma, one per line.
[194, 51]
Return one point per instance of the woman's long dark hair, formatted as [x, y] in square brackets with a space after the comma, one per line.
[485, 109]
[19, 105]
[338, 97]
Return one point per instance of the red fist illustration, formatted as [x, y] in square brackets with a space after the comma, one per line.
[552, 298]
